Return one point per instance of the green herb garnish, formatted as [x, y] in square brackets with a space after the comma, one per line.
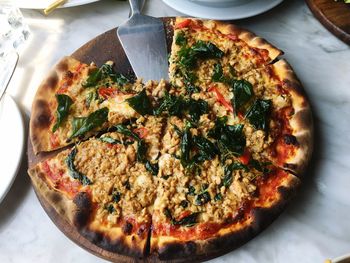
[180, 39]
[242, 93]
[153, 168]
[141, 103]
[258, 114]
[187, 221]
[81, 125]
[63, 104]
[74, 173]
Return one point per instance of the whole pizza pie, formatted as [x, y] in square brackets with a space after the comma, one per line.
[186, 169]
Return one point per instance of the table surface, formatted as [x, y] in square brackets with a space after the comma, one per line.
[315, 226]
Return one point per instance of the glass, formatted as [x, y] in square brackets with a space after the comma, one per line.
[13, 29]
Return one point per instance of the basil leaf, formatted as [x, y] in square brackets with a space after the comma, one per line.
[220, 123]
[110, 208]
[74, 173]
[93, 95]
[120, 79]
[187, 58]
[63, 104]
[206, 50]
[109, 140]
[242, 93]
[189, 80]
[187, 221]
[232, 140]
[191, 190]
[258, 114]
[202, 198]
[184, 203]
[218, 74]
[116, 196]
[196, 108]
[207, 149]
[141, 103]
[105, 71]
[172, 104]
[261, 167]
[152, 168]
[141, 145]
[94, 77]
[81, 125]
[167, 214]
[218, 197]
[227, 179]
[178, 106]
[185, 147]
[125, 131]
[180, 39]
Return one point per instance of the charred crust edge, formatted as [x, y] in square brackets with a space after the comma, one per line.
[83, 209]
[118, 246]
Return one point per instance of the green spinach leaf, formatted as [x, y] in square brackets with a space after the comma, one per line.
[116, 196]
[218, 74]
[81, 125]
[141, 103]
[258, 114]
[187, 221]
[74, 173]
[125, 131]
[153, 168]
[204, 49]
[206, 149]
[202, 198]
[196, 108]
[242, 93]
[180, 39]
[63, 104]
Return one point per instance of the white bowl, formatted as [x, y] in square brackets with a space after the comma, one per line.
[220, 3]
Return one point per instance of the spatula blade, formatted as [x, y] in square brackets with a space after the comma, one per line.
[144, 42]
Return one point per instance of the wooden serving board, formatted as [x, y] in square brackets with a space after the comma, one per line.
[335, 16]
[99, 50]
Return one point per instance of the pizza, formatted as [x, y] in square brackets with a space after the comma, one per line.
[186, 169]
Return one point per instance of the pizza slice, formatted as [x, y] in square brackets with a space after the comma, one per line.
[203, 50]
[216, 210]
[105, 186]
[278, 117]
[78, 100]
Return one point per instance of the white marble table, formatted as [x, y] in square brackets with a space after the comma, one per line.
[314, 227]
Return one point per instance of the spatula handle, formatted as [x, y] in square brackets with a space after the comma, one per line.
[135, 6]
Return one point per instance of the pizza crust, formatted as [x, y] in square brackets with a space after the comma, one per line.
[44, 105]
[59, 202]
[301, 122]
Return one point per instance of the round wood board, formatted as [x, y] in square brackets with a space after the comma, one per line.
[99, 50]
[335, 16]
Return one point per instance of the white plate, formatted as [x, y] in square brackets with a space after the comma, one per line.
[11, 143]
[42, 4]
[244, 10]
